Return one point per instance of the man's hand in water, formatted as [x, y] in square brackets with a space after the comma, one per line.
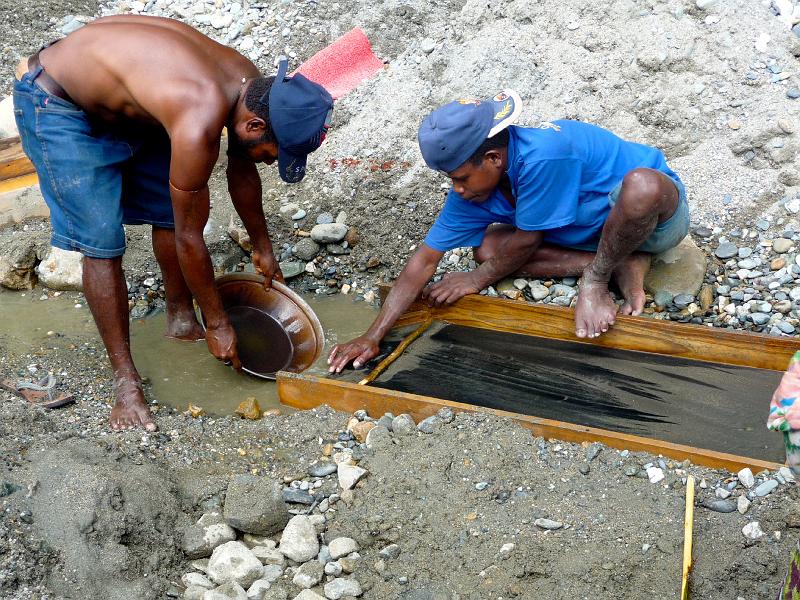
[359, 350]
[452, 287]
[222, 344]
[267, 265]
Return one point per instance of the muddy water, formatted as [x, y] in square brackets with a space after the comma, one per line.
[180, 373]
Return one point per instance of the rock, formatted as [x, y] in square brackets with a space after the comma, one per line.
[539, 291]
[679, 270]
[333, 568]
[210, 531]
[548, 524]
[8, 124]
[229, 591]
[308, 575]
[726, 250]
[198, 580]
[361, 430]
[325, 218]
[308, 595]
[258, 590]
[705, 297]
[350, 475]
[255, 505]
[251, 541]
[404, 425]
[299, 215]
[706, 4]
[592, 451]
[61, 270]
[73, 24]
[239, 235]
[505, 287]
[233, 562]
[322, 469]
[271, 573]
[306, 249]
[249, 409]
[765, 488]
[720, 506]
[787, 474]
[342, 547]
[429, 425]
[379, 437]
[746, 477]
[297, 496]
[299, 540]
[18, 264]
[655, 474]
[742, 504]
[292, 268]
[268, 555]
[752, 531]
[781, 245]
[427, 45]
[340, 587]
[194, 592]
[663, 298]
[329, 233]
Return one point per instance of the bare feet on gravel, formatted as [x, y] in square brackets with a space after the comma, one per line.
[182, 325]
[130, 411]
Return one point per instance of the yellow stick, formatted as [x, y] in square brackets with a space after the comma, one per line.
[687, 537]
[395, 353]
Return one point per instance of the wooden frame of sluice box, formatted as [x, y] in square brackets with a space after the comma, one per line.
[641, 334]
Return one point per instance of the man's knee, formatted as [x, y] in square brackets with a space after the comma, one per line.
[644, 192]
[482, 253]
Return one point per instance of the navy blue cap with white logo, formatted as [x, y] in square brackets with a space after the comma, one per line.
[300, 112]
[452, 133]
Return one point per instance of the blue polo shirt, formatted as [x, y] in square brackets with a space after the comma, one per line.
[561, 174]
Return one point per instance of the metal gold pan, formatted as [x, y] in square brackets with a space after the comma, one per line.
[276, 329]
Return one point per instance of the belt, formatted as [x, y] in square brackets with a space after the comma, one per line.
[44, 81]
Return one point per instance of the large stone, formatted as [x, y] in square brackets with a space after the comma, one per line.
[229, 591]
[255, 505]
[350, 475]
[200, 539]
[18, 264]
[61, 270]
[329, 233]
[679, 270]
[342, 547]
[309, 574]
[308, 595]
[340, 587]
[299, 540]
[233, 562]
[8, 124]
[306, 249]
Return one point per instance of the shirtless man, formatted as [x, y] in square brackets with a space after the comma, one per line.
[122, 120]
[562, 199]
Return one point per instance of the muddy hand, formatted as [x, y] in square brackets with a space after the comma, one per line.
[222, 344]
[451, 288]
[267, 265]
[359, 351]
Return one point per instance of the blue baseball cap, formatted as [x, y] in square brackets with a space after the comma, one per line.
[300, 112]
[452, 133]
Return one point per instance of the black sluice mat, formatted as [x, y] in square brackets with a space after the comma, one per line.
[707, 405]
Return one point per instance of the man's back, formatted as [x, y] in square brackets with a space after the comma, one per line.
[146, 69]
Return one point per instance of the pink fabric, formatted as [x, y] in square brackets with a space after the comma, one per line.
[784, 410]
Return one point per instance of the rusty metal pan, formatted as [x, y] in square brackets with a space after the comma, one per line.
[276, 329]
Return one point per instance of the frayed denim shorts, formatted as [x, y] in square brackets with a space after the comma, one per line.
[94, 178]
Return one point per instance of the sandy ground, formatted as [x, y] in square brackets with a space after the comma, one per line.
[99, 516]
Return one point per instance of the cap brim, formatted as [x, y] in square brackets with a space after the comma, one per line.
[292, 167]
[507, 106]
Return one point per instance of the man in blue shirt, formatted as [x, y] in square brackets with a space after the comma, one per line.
[562, 199]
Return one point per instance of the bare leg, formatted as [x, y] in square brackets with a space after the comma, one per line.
[107, 296]
[647, 198]
[181, 317]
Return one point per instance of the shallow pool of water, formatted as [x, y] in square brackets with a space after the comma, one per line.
[180, 373]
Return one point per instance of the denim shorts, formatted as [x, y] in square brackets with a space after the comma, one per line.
[93, 177]
[668, 234]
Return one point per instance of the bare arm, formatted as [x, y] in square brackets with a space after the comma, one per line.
[512, 255]
[193, 156]
[244, 186]
[417, 272]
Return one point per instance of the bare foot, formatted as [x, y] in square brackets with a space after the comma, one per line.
[130, 410]
[595, 310]
[630, 278]
[183, 325]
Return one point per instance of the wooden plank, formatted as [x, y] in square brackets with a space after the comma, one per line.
[384, 364]
[9, 185]
[306, 391]
[642, 334]
[13, 161]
